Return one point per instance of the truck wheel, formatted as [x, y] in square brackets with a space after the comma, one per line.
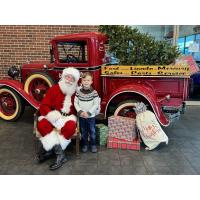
[125, 109]
[11, 104]
[37, 85]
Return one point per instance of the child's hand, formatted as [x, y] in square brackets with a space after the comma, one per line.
[84, 114]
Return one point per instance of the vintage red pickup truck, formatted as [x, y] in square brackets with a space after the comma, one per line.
[162, 88]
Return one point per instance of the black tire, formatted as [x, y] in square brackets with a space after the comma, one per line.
[18, 107]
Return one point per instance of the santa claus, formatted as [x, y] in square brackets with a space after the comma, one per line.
[57, 121]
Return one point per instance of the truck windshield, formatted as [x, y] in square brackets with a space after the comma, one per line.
[72, 52]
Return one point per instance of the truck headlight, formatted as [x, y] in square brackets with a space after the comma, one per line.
[13, 72]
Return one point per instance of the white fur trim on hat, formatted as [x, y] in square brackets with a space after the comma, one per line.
[50, 140]
[53, 115]
[63, 142]
[72, 71]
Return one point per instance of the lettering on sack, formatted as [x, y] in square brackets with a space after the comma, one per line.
[150, 131]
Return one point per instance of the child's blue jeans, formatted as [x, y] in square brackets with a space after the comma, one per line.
[87, 126]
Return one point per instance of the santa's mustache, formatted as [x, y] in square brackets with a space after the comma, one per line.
[69, 82]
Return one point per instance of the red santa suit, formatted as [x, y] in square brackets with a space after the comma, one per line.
[57, 111]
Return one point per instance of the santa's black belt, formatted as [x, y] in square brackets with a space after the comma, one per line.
[64, 114]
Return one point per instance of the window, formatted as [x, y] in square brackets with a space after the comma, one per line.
[198, 37]
[197, 54]
[72, 52]
[181, 43]
[188, 40]
[184, 43]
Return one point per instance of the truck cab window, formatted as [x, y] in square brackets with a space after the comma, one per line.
[72, 52]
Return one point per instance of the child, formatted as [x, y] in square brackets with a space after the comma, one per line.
[86, 103]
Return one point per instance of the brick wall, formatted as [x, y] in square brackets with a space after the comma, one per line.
[19, 43]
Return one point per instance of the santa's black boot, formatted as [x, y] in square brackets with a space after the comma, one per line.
[60, 157]
[42, 154]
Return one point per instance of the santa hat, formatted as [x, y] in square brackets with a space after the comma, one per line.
[72, 71]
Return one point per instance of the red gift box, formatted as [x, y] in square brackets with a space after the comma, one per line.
[122, 127]
[116, 143]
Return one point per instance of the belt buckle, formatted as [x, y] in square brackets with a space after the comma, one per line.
[64, 114]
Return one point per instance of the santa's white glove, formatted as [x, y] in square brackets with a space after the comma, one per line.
[59, 123]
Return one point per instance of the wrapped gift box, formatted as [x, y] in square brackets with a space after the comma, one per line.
[102, 134]
[116, 143]
[122, 128]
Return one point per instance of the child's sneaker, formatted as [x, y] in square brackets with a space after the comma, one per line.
[84, 148]
[93, 149]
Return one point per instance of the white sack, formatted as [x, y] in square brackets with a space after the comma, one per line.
[150, 130]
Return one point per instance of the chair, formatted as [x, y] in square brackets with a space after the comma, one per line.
[75, 137]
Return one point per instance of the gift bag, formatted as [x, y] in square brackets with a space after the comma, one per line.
[102, 134]
[150, 130]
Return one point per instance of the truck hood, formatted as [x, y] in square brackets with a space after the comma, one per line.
[38, 65]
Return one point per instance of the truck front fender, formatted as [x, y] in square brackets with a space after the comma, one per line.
[19, 88]
[145, 92]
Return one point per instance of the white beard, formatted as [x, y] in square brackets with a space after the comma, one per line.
[67, 88]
